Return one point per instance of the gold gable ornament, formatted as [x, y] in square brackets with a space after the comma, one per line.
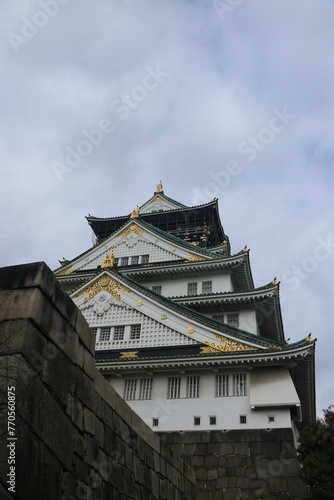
[107, 284]
[128, 354]
[109, 260]
[133, 229]
[225, 345]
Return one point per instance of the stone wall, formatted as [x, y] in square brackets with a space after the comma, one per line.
[241, 464]
[76, 438]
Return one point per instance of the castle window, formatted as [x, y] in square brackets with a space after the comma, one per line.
[124, 261]
[156, 288]
[233, 320]
[192, 288]
[94, 330]
[130, 389]
[135, 260]
[145, 259]
[271, 419]
[135, 332]
[118, 333]
[193, 387]
[174, 386]
[218, 317]
[105, 333]
[146, 388]
[239, 384]
[206, 286]
[197, 420]
[213, 420]
[243, 419]
[155, 422]
[222, 383]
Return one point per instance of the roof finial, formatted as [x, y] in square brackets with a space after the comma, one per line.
[308, 338]
[274, 281]
[135, 213]
[159, 188]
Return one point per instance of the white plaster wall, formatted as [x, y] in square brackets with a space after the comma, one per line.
[178, 414]
[171, 287]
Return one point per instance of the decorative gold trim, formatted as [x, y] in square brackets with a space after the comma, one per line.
[109, 260]
[158, 199]
[133, 229]
[163, 316]
[139, 303]
[173, 249]
[128, 354]
[104, 283]
[87, 259]
[225, 345]
[69, 270]
[190, 329]
[106, 246]
[194, 258]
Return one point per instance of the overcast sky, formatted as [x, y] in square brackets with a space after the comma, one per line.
[230, 99]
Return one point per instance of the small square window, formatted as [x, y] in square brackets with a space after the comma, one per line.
[124, 261]
[197, 420]
[218, 317]
[243, 419]
[233, 320]
[155, 422]
[135, 332]
[213, 420]
[192, 288]
[118, 333]
[206, 286]
[105, 333]
[271, 418]
[134, 260]
[145, 259]
[156, 288]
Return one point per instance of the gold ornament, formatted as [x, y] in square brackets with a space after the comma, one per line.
[133, 229]
[107, 284]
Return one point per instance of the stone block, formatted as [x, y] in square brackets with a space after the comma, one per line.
[89, 421]
[75, 411]
[89, 364]
[242, 482]
[225, 449]
[84, 389]
[297, 488]
[271, 450]
[155, 485]
[242, 448]
[233, 461]
[212, 474]
[278, 485]
[99, 432]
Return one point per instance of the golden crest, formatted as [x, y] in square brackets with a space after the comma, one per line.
[128, 354]
[105, 283]
[191, 329]
[133, 229]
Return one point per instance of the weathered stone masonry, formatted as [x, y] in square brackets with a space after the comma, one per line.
[76, 437]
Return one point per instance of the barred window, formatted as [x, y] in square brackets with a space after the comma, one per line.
[155, 422]
[156, 288]
[146, 388]
[243, 419]
[193, 387]
[124, 261]
[130, 389]
[192, 288]
[222, 383]
[233, 319]
[105, 333]
[174, 386]
[145, 259]
[197, 420]
[118, 333]
[206, 286]
[213, 420]
[218, 317]
[239, 384]
[135, 332]
[134, 260]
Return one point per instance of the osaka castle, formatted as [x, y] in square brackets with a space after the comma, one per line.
[182, 333]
